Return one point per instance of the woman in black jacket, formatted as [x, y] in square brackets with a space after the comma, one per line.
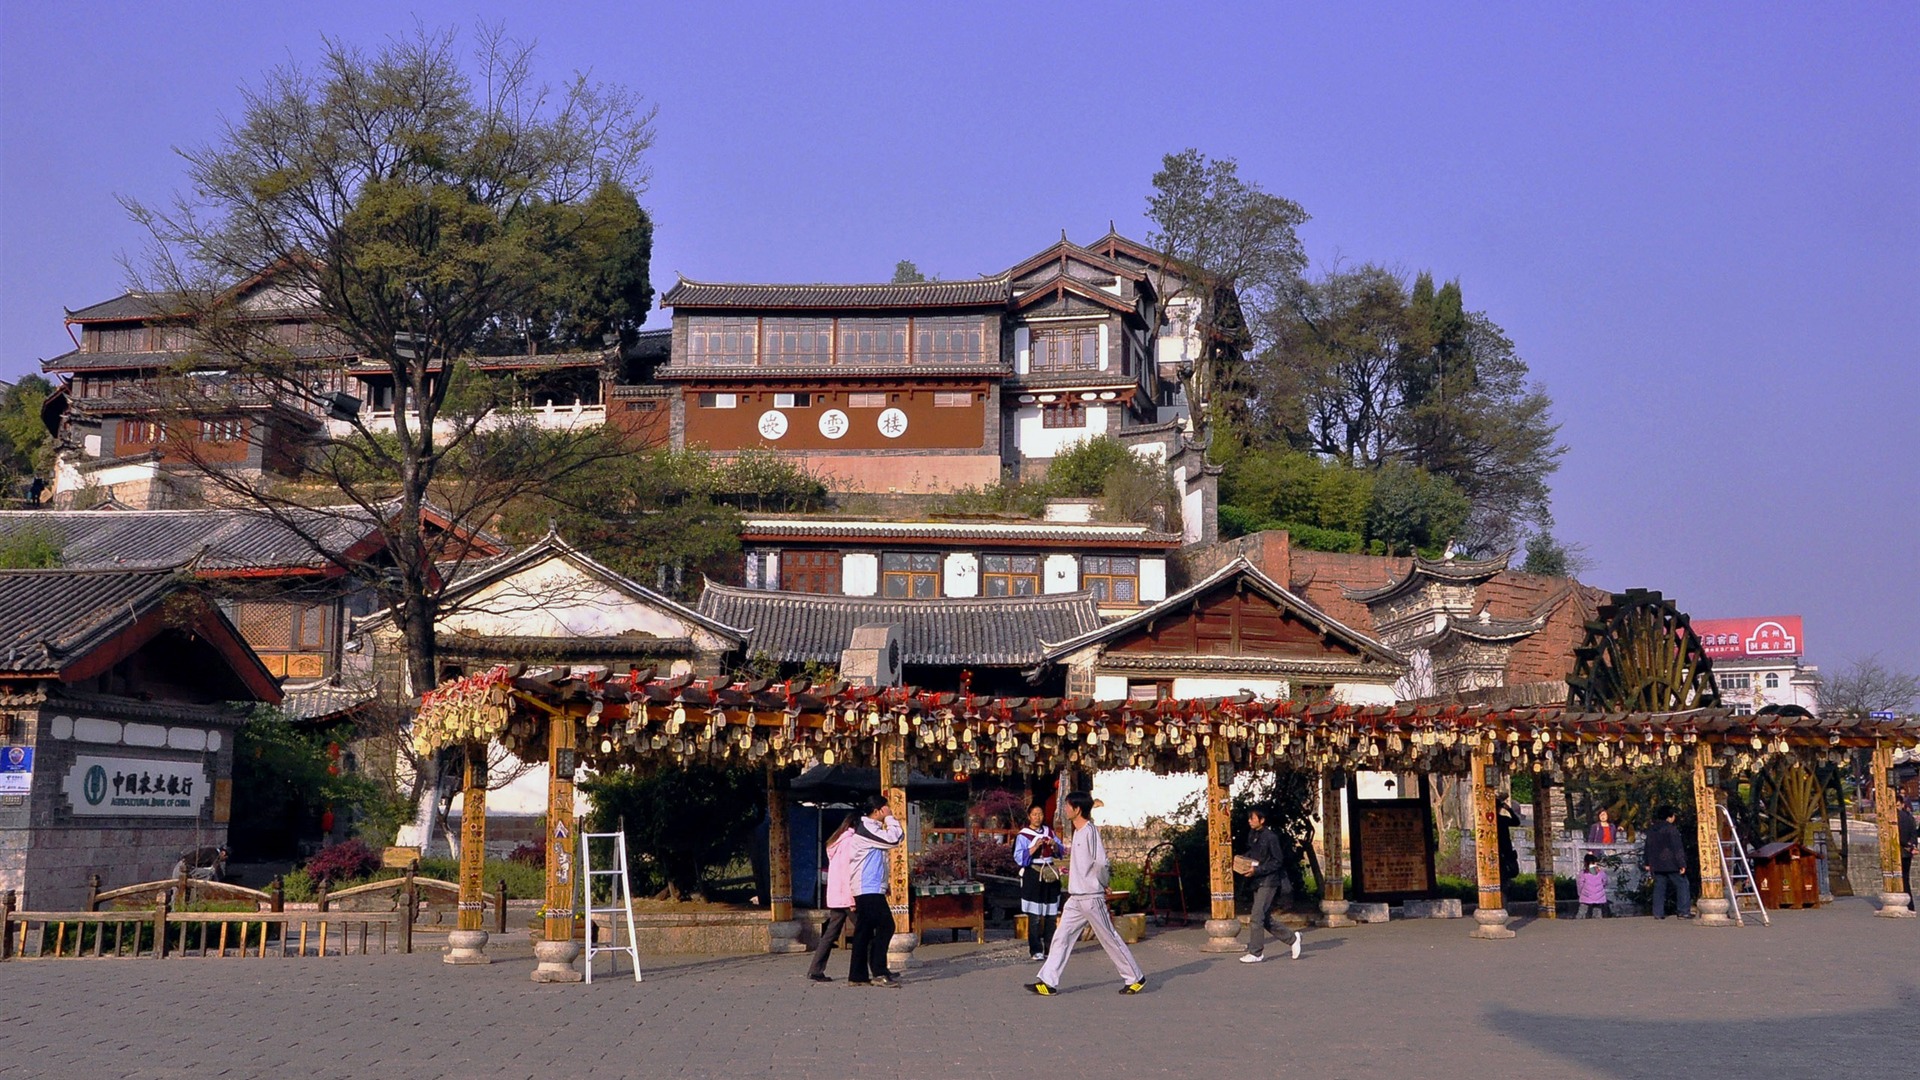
[1666, 859]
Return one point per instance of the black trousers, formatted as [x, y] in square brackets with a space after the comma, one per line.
[1675, 881]
[830, 931]
[1906, 875]
[872, 933]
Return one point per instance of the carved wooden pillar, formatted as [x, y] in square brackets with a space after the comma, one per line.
[783, 930]
[893, 781]
[1223, 925]
[1894, 894]
[1715, 905]
[557, 950]
[1333, 862]
[1491, 918]
[1543, 844]
[466, 942]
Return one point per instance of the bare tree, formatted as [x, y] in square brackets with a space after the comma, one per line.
[1868, 685]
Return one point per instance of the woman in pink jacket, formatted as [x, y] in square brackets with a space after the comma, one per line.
[839, 896]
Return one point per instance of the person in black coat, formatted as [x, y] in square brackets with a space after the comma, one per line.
[1909, 841]
[1269, 862]
[1505, 819]
[1666, 859]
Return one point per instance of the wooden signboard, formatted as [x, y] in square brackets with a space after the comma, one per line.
[1393, 848]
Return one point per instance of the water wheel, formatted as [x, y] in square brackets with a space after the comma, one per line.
[1800, 802]
[1641, 655]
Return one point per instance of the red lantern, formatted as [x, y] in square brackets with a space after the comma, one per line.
[326, 820]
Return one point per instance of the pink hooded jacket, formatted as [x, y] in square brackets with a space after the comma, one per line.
[840, 871]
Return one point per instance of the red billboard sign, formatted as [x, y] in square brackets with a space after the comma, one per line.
[1775, 635]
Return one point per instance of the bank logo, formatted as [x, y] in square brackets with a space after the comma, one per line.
[95, 786]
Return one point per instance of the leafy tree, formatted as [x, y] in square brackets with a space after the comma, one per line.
[664, 516]
[1232, 246]
[34, 547]
[681, 823]
[426, 210]
[905, 272]
[1414, 509]
[1547, 554]
[283, 780]
[1367, 371]
[1081, 470]
[24, 442]
[1868, 685]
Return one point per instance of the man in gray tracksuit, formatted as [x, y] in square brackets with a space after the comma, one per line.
[1086, 905]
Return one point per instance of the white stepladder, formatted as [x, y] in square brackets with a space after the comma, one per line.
[1739, 874]
[622, 893]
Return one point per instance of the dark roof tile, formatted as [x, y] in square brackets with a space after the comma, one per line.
[974, 292]
[47, 617]
[990, 632]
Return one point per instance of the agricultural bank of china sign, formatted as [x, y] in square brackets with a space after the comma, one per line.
[135, 787]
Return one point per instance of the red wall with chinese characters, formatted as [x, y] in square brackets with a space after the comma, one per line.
[928, 427]
[1772, 635]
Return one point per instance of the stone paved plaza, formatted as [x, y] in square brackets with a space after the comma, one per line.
[1833, 993]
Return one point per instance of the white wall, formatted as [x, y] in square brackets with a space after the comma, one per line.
[1199, 686]
[1363, 694]
[1034, 439]
[962, 574]
[556, 599]
[1153, 580]
[860, 574]
[1109, 687]
[1060, 574]
[1022, 349]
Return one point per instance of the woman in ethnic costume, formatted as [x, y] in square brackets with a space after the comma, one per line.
[1034, 850]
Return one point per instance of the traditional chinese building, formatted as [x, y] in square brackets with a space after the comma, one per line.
[1757, 662]
[1123, 567]
[120, 691]
[931, 386]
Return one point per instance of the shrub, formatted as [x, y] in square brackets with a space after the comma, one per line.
[1526, 888]
[1130, 878]
[523, 882]
[948, 862]
[1081, 470]
[530, 855]
[1001, 805]
[298, 887]
[343, 862]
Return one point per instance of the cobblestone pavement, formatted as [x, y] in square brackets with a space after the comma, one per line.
[1828, 993]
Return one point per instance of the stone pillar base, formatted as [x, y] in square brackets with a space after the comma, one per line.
[1713, 912]
[1490, 925]
[900, 951]
[466, 947]
[556, 962]
[1222, 936]
[1334, 913]
[784, 937]
[1893, 905]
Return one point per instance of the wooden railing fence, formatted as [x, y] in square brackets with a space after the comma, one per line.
[162, 932]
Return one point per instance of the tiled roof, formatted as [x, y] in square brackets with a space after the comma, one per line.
[1083, 534]
[991, 632]
[128, 305]
[1244, 571]
[1459, 571]
[48, 617]
[723, 373]
[975, 292]
[218, 539]
[323, 700]
[77, 360]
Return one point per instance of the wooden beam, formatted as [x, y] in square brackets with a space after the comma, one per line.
[1894, 894]
[1223, 925]
[779, 850]
[1491, 918]
[1543, 845]
[473, 840]
[1333, 862]
[561, 838]
[1714, 901]
[893, 767]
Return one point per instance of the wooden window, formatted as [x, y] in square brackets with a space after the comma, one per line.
[792, 401]
[223, 431]
[873, 341]
[810, 571]
[1111, 577]
[141, 431]
[950, 341]
[866, 401]
[1010, 575]
[719, 401]
[1073, 349]
[713, 341]
[1069, 414]
[797, 341]
[910, 575]
[952, 399]
[283, 628]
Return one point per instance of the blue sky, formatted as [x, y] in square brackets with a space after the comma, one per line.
[1699, 222]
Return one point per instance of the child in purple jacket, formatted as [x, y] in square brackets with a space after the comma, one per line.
[1591, 884]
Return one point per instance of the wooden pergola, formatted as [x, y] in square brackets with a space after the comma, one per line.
[618, 720]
